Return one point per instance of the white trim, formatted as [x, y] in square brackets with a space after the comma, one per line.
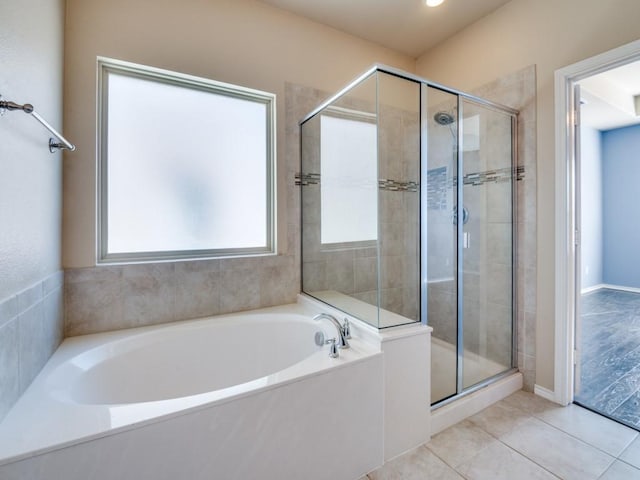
[620, 287]
[593, 288]
[107, 67]
[565, 78]
[609, 286]
[544, 393]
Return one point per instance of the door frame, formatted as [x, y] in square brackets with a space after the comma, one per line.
[566, 190]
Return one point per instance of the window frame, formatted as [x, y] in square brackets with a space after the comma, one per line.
[107, 66]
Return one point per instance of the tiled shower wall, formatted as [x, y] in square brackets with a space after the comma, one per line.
[354, 271]
[487, 278]
[31, 328]
[518, 90]
[351, 270]
[487, 259]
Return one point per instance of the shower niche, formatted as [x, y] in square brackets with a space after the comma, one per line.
[408, 216]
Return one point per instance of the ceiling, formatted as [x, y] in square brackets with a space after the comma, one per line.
[608, 98]
[407, 26]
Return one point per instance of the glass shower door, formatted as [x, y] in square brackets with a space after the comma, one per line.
[439, 173]
[468, 226]
[486, 247]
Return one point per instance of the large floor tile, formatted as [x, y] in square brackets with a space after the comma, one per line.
[558, 452]
[499, 418]
[460, 443]
[621, 471]
[418, 464]
[632, 453]
[499, 462]
[591, 428]
[529, 403]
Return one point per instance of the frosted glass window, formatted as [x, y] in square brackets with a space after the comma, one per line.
[349, 180]
[186, 166]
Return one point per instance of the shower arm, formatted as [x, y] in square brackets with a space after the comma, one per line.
[28, 108]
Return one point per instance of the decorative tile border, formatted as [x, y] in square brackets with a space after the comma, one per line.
[397, 186]
[437, 182]
[306, 179]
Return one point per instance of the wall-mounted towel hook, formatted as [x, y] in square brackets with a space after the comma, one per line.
[28, 108]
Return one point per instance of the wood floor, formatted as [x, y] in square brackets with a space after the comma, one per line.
[610, 355]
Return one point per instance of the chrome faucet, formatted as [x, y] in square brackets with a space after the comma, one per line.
[342, 334]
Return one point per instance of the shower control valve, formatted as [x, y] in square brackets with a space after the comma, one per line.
[332, 342]
[333, 348]
[346, 329]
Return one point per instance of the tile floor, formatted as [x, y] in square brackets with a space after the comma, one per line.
[523, 437]
[610, 354]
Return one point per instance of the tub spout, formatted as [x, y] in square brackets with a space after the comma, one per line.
[342, 343]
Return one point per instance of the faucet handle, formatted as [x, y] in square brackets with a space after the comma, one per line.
[333, 348]
[346, 329]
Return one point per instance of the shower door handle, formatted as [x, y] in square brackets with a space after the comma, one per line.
[466, 240]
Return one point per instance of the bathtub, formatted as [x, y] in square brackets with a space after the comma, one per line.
[237, 396]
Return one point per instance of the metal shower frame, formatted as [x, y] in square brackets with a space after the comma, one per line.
[513, 113]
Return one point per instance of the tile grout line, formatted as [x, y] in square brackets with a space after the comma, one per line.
[583, 441]
[536, 415]
[516, 451]
[630, 464]
[447, 463]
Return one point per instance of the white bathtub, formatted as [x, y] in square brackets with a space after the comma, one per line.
[238, 396]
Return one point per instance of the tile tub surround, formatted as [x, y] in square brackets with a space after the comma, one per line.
[524, 437]
[104, 298]
[31, 328]
[108, 298]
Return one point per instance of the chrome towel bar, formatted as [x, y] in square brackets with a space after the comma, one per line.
[28, 108]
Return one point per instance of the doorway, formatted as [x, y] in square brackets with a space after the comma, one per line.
[607, 376]
[596, 340]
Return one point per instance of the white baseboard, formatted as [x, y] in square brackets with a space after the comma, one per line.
[545, 393]
[620, 287]
[610, 287]
[593, 288]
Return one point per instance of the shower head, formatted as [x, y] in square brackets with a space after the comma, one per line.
[444, 118]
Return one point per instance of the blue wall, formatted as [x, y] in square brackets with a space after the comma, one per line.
[591, 206]
[621, 206]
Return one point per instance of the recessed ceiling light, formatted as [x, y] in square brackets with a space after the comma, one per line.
[433, 3]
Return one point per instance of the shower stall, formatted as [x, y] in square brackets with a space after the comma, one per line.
[408, 215]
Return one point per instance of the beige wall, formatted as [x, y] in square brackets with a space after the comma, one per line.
[240, 41]
[30, 176]
[550, 34]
